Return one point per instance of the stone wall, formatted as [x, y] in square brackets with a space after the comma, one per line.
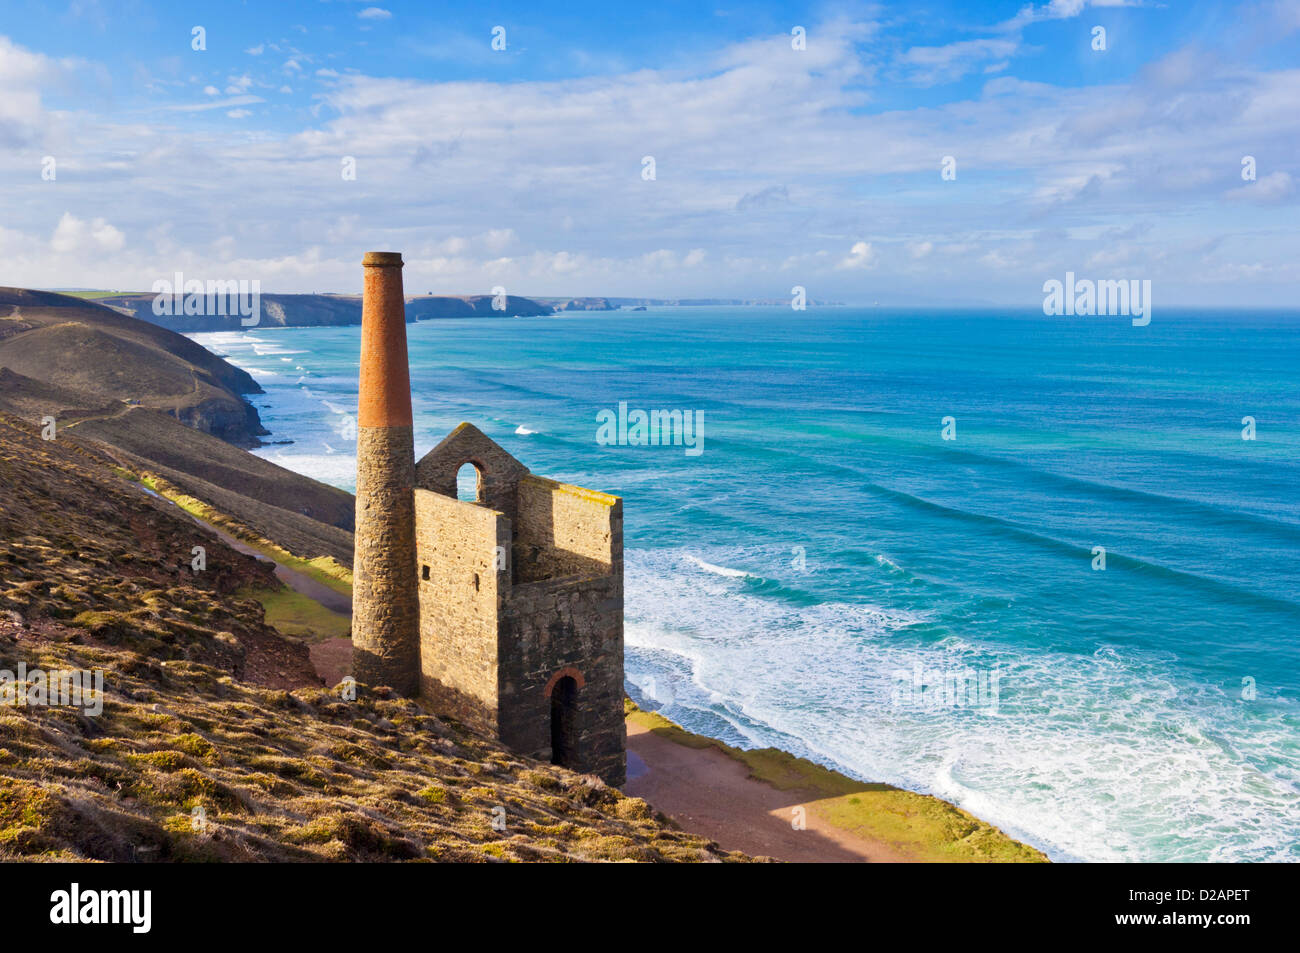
[459, 604]
[496, 639]
[564, 530]
[552, 626]
[385, 642]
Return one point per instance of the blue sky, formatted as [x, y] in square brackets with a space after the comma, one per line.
[774, 166]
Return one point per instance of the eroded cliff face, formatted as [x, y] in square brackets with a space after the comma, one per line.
[235, 422]
[580, 304]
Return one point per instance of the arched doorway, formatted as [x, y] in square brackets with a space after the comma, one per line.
[564, 722]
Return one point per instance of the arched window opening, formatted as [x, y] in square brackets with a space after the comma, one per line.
[469, 484]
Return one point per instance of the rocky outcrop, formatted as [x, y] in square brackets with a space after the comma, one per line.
[580, 304]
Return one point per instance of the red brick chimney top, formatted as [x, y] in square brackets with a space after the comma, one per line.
[385, 392]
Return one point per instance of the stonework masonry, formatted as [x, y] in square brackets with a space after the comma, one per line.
[385, 648]
[505, 613]
[385, 613]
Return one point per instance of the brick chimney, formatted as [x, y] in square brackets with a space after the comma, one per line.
[385, 610]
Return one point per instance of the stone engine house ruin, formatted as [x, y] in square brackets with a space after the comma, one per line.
[505, 613]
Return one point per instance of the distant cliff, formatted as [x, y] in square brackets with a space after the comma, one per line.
[579, 304]
[322, 310]
[471, 306]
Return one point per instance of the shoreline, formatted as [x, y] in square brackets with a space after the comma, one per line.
[767, 802]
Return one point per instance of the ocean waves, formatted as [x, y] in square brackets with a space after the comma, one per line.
[758, 669]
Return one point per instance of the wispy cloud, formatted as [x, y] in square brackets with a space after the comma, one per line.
[930, 65]
[214, 104]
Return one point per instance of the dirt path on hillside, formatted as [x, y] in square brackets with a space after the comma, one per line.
[708, 793]
[299, 582]
[332, 659]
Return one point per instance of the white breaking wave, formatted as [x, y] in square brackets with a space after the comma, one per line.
[720, 570]
[335, 467]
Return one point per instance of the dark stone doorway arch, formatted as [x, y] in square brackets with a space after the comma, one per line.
[564, 722]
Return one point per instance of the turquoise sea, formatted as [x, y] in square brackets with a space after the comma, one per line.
[826, 574]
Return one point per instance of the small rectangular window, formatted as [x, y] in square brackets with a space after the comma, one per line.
[425, 574]
[476, 582]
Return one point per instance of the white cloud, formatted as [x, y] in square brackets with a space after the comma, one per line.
[1269, 189]
[861, 255]
[1056, 10]
[22, 76]
[214, 104]
[499, 239]
[930, 65]
[536, 184]
[73, 234]
[256, 50]
[375, 13]
[238, 113]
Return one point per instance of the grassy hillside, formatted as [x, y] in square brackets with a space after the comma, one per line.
[93, 350]
[216, 740]
[161, 404]
[308, 518]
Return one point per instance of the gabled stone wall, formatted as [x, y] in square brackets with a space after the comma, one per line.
[517, 592]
